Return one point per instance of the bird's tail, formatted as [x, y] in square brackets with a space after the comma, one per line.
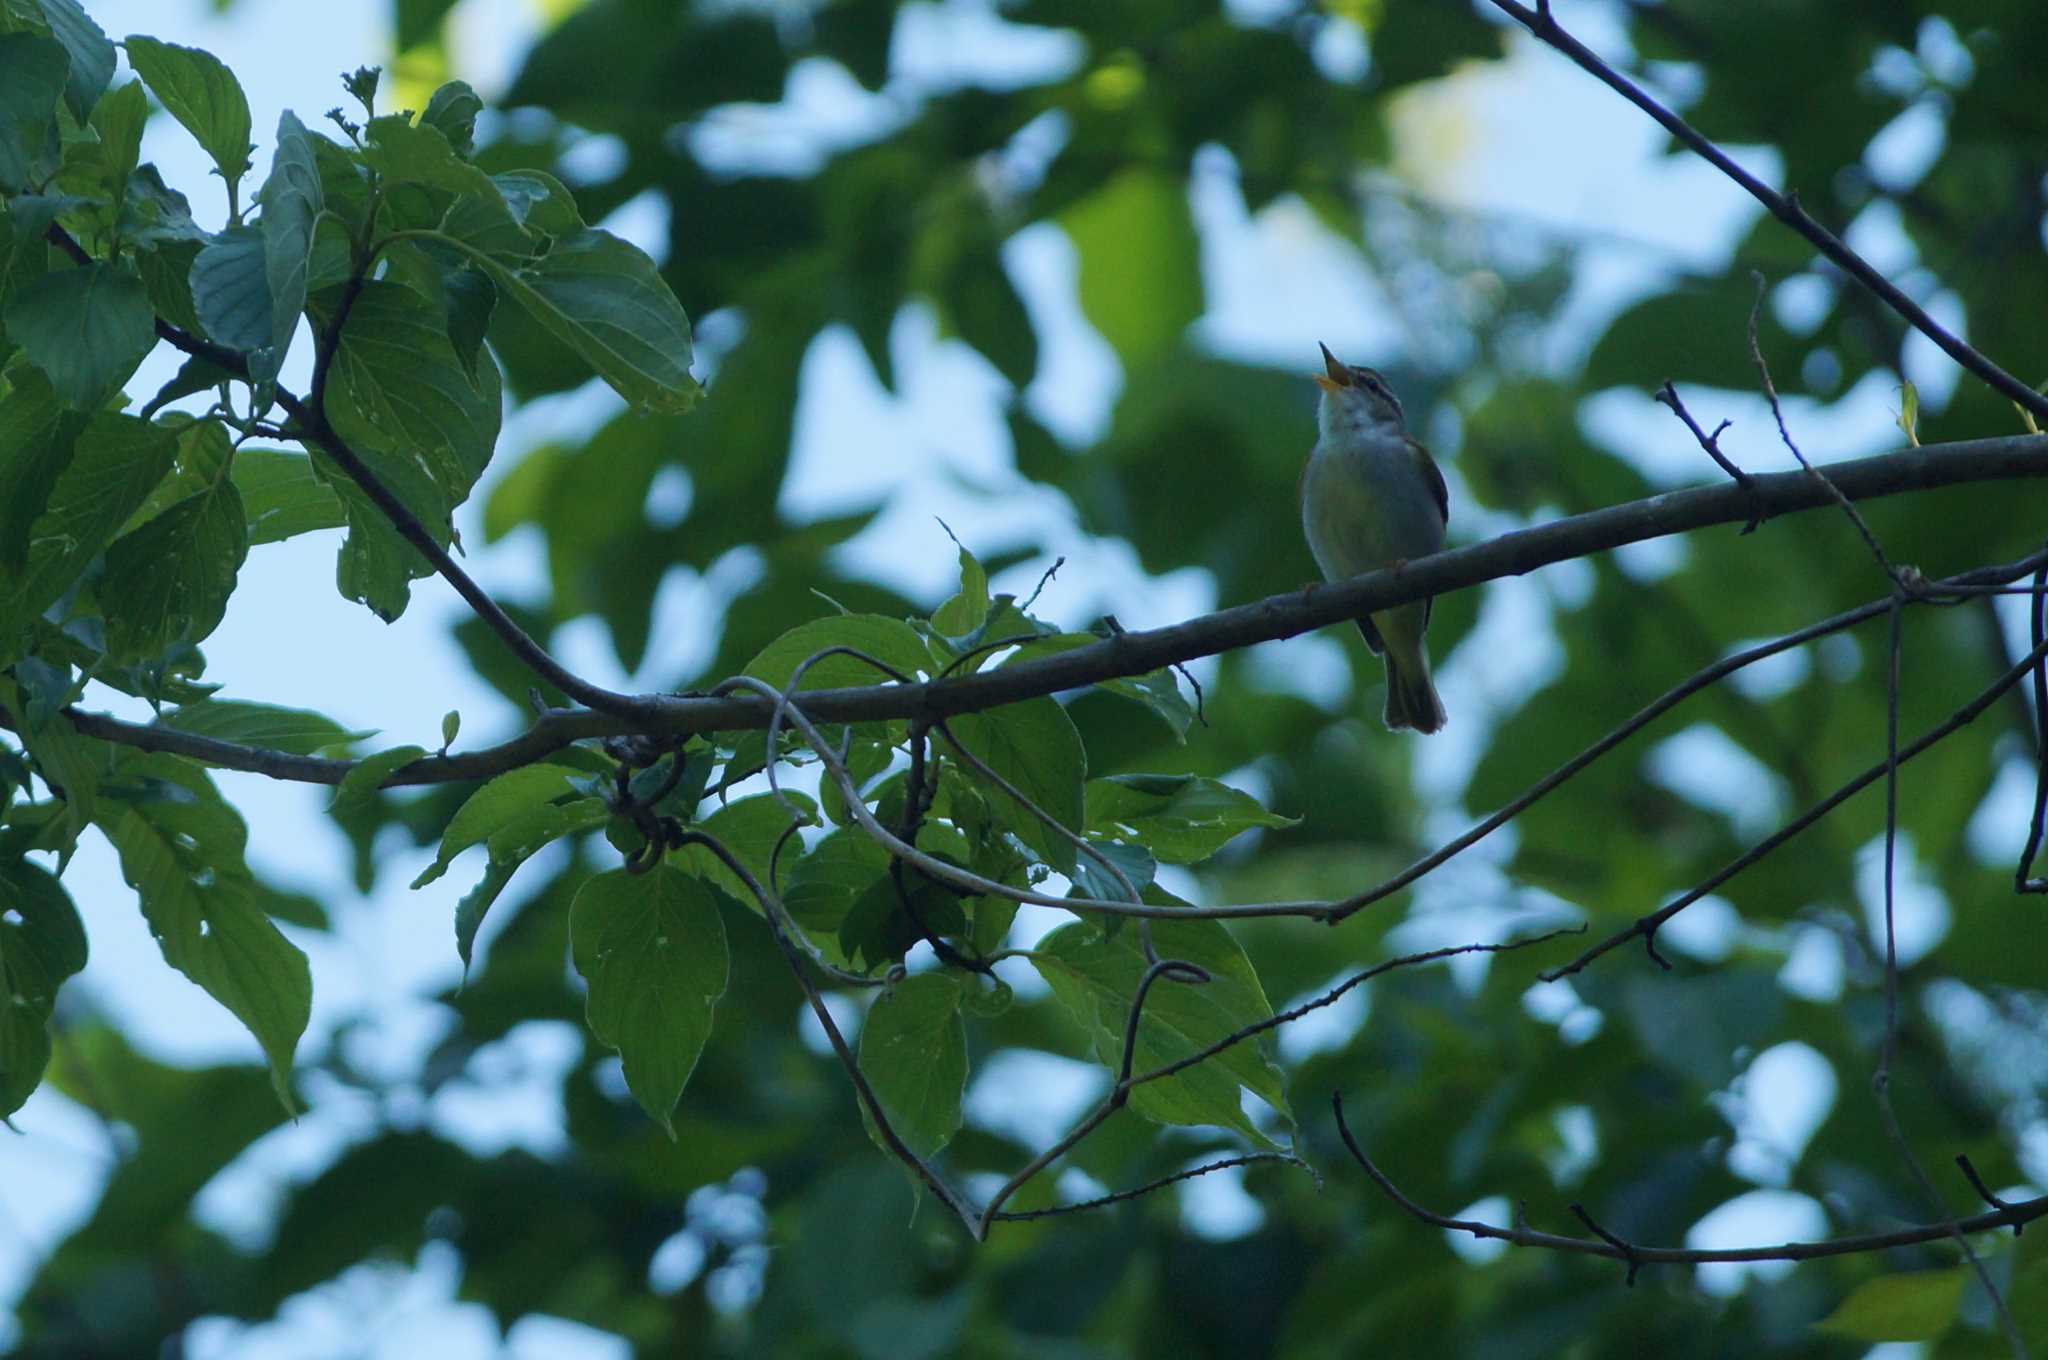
[1411, 695]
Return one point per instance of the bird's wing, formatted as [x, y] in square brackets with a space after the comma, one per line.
[1434, 476]
[1372, 635]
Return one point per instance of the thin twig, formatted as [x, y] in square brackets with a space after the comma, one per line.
[1121, 1196]
[1646, 927]
[772, 909]
[1693, 684]
[2038, 613]
[1667, 395]
[1763, 373]
[1881, 1078]
[2011, 1216]
[1785, 207]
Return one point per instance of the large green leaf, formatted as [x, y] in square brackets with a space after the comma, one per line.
[652, 948]
[86, 328]
[91, 55]
[913, 1048]
[496, 805]
[181, 850]
[168, 582]
[292, 200]
[1181, 819]
[892, 642]
[42, 943]
[115, 462]
[282, 496]
[32, 71]
[604, 299]
[296, 731]
[231, 290]
[200, 93]
[35, 446]
[1034, 746]
[749, 827]
[1096, 979]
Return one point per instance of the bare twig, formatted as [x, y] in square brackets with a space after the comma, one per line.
[772, 909]
[1667, 395]
[2037, 612]
[1121, 1196]
[1983, 1190]
[2011, 1216]
[1763, 373]
[1693, 684]
[1784, 207]
[1881, 1078]
[1646, 927]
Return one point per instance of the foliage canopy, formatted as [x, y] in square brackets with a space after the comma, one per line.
[445, 262]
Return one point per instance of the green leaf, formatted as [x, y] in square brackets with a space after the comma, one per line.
[749, 827]
[498, 804]
[968, 610]
[295, 731]
[453, 110]
[1034, 746]
[510, 846]
[539, 202]
[118, 119]
[605, 300]
[282, 496]
[1141, 278]
[115, 463]
[913, 1049]
[42, 942]
[396, 387]
[36, 438]
[1158, 691]
[400, 397]
[32, 71]
[359, 786]
[1917, 1305]
[892, 642]
[1181, 819]
[202, 94]
[292, 200]
[181, 850]
[92, 56]
[231, 291]
[451, 727]
[403, 151]
[168, 582]
[1096, 979]
[652, 947]
[86, 328]
[824, 885]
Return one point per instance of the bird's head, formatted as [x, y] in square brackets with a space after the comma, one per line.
[1356, 399]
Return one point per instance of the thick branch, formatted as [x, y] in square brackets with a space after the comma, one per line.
[1279, 616]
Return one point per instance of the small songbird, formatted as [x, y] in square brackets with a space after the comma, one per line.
[1372, 497]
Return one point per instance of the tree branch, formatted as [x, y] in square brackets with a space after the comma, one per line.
[2013, 1216]
[2011, 457]
[1784, 207]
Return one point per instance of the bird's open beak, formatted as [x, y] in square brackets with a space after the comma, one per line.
[1339, 376]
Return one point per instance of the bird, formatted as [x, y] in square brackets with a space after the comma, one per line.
[1372, 497]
